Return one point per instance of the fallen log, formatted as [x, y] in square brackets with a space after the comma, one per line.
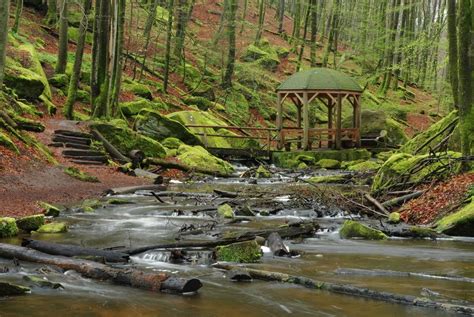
[71, 139]
[182, 167]
[299, 229]
[402, 199]
[376, 203]
[126, 276]
[376, 272]
[350, 290]
[9, 289]
[225, 194]
[133, 189]
[276, 245]
[112, 150]
[73, 250]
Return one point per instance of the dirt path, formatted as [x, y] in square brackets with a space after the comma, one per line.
[25, 179]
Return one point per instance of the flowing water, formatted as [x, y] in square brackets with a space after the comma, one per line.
[148, 221]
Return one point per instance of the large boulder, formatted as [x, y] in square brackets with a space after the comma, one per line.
[197, 156]
[151, 123]
[241, 252]
[8, 227]
[374, 122]
[353, 229]
[126, 140]
[414, 169]
[132, 108]
[460, 223]
[30, 223]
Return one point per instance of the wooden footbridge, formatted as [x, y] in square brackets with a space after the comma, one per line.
[332, 88]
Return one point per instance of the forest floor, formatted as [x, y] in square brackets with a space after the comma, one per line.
[27, 179]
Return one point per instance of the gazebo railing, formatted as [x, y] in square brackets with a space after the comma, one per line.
[317, 137]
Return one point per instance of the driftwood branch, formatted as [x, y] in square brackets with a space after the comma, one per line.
[110, 148]
[402, 199]
[376, 203]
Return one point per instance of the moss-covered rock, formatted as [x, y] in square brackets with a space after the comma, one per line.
[30, 223]
[5, 141]
[328, 179]
[373, 122]
[394, 218]
[83, 96]
[172, 143]
[132, 108]
[53, 227]
[26, 84]
[353, 229]
[49, 210]
[365, 166]
[126, 140]
[225, 211]
[253, 53]
[138, 89]
[420, 139]
[262, 172]
[201, 102]
[80, 175]
[242, 252]
[59, 80]
[8, 227]
[10, 289]
[302, 166]
[329, 164]
[197, 156]
[400, 167]
[288, 159]
[153, 124]
[310, 160]
[460, 223]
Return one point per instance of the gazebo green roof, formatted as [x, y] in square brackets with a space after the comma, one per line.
[320, 79]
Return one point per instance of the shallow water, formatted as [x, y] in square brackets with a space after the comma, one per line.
[148, 222]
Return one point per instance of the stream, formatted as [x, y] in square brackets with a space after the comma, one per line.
[146, 221]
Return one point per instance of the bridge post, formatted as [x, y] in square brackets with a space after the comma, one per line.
[305, 121]
[338, 121]
[279, 121]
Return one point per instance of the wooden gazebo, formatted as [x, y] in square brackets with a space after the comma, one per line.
[332, 88]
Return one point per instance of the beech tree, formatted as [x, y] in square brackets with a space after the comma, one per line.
[63, 38]
[229, 69]
[18, 10]
[4, 14]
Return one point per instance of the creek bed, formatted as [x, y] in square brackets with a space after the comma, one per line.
[148, 222]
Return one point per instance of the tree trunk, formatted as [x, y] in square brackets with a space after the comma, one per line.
[453, 50]
[52, 15]
[76, 71]
[18, 9]
[314, 31]
[63, 39]
[261, 20]
[4, 14]
[168, 45]
[232, 9]
[303, 40]
[281, 16]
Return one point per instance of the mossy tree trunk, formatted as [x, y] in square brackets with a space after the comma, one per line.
[52, 15]
[184, 14]
[76, 72]
[4, 14]
[296, 21]
[169, 36]
[453, 50]
[231, 11]
[261, 20]
[244, 15]
[303, 40]
[332, 34]
[314, 31]
[63, 39]
[18, 9]
[281, 16]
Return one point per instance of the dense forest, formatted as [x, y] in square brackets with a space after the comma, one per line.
[174, 145]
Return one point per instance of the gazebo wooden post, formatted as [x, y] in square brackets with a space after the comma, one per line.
[305, 121]
[279, 121]
[358, 120]
[338, 121]
[330, 121]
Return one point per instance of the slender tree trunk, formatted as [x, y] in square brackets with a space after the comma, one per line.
[76, 71]
[314, 30]
[453, 50]
[244, 16]
[4, 14]
[281, 16]
[18, 9]
[168, 45]
[303, 40]
[261, 20]
[52, 15]
[63, 39]
[227, 81]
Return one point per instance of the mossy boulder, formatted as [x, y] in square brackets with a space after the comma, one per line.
[253, 53]
[262, 172]
[460, 223]
[30, 223]
[353, 229]
[306, 159]
[442, 128]
[401, 167]
[83, 96]
[197, 156]
[138, 89]
[328, 179]
[329, 164]
[242, 252]
[394, 218]
[126, 140]
[49, 210]
[10, 289]
[172, 143]
[225, 211]
[365, 166]
[152, 124]
[289, 159]
[53, 227]
[374, 122]
[201, 102]
[8, 227]
[5, 141]
[59, 81]
[26, 84]
[80, 175]
[132, 108]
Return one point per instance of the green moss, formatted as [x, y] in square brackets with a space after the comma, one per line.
[365, 166]
[400, 166]
[252, 53]
[353, 229]
[306, 159]
[54, 227]
[201, 102]
[83, 96]
[8, 143]
[8, 227]
[73, 34]
[394, 217]
[225, 211]
[138, 89]
[159, 127]
[9, 289]
[415, 143]
[118, 201]
[59, 80]
[132, 108]
[80, 175]
[171, 143]
[126, 140]
[336, 179]
[200, 158]
[262, 172]
[460, 223]
[30, 223]
[302, 166]
[423, 232]
[49, 210]
[242, 252]
[24, 82]
[288, 159]
[329, 164]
